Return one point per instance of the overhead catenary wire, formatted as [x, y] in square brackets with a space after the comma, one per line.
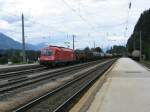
[33, 21]
[48, 26]
[127, 19]
[78, 14]
[111, 25]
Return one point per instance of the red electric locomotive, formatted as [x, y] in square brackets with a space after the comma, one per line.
[53, 55]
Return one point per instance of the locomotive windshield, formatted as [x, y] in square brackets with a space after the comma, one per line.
[46, 52]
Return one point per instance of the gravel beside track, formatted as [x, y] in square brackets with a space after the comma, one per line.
[43, 82]
[146, 64]
[20, 73]
[28, 80]
[18, 68]
[59, 97]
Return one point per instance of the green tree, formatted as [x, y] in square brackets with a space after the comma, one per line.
[98, 49]
[14, 59]
[117, 50]
[143, 26]
[87, 49]
[3, 60]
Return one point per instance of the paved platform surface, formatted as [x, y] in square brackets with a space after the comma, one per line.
[127, 89]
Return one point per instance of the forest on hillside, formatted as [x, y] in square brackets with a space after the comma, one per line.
[141, 28]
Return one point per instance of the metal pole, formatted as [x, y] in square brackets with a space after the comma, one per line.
[23, 41]
[94, 45]
[133, 42]
[127, 48]
[73, 41]
[140, 46]
[49, 38]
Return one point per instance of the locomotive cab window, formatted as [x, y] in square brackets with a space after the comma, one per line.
[46, 52]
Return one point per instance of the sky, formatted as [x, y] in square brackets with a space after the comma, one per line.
[53, 22]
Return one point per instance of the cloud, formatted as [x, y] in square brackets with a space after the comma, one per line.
[57, 18]
[4, 25]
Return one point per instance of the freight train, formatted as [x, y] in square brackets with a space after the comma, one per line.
[55, 55]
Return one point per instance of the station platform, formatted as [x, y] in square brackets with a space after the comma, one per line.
[126, 89]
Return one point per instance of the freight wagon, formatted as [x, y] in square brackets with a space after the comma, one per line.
[54, 55]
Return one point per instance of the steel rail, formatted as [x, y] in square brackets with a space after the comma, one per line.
[27, 81]
[39, 99]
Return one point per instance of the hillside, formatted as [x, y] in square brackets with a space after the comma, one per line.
[8, 43]
[143, 26]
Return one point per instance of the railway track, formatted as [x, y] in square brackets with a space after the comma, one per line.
[59, 99]
[30, 79]
[146, 64]
[21, 72]
[19, 68]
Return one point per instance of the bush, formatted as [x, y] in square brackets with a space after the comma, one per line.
[3, 60]
[14, 59]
